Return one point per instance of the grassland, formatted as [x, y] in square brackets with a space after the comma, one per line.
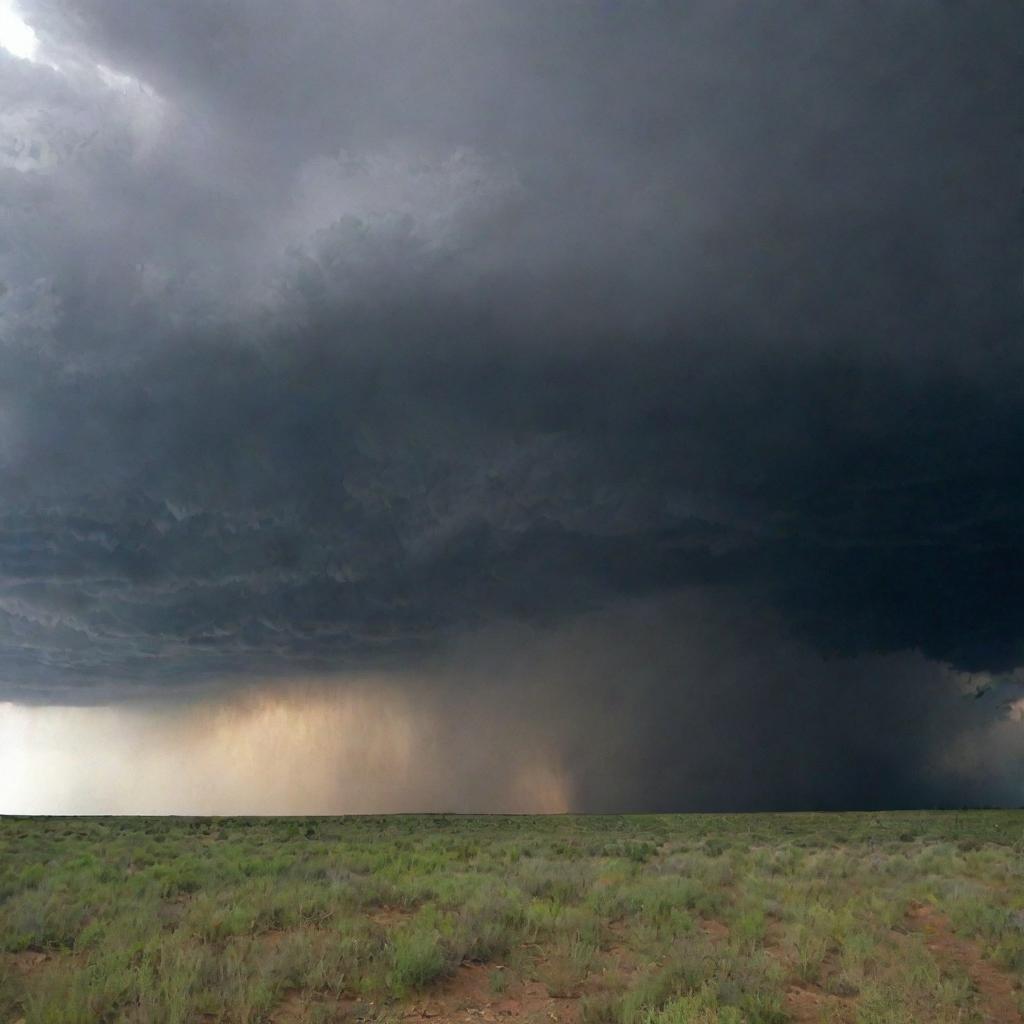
[866, 918]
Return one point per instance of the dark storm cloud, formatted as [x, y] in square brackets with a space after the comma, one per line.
[335, 333]
[734, 713]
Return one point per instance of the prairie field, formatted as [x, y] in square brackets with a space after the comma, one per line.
[868, 918]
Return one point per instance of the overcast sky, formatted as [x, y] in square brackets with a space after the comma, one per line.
[630, 393]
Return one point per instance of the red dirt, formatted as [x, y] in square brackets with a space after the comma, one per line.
[806, 1004]
[388, 916]
[997, 1000]
[295, 1006]
[464, 998]
[716, 931]
[27, 961]
[467, 997]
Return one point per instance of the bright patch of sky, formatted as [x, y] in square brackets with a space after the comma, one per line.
[16, 37]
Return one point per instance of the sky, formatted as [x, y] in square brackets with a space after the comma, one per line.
[535, 406]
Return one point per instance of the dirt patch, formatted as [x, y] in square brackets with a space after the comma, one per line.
[27, 961]
[809, 1004]
[997, 1001]
[296, 1006]
[468, 997]
[716, 931]
[292, 1007]
[387, 917]
[273, 938]
[806, 1005]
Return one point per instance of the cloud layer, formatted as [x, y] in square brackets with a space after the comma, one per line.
[333, 337]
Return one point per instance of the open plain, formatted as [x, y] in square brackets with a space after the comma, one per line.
[869, 918]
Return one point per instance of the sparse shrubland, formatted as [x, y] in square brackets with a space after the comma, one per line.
[656, 919]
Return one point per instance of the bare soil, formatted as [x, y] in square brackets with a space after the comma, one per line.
[997, 999]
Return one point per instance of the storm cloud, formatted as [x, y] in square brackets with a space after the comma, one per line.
[350, 340]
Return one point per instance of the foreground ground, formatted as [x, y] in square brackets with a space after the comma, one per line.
[868, 918]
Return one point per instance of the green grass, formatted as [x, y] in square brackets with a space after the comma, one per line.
[652, 919]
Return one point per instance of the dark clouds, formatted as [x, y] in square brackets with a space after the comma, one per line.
[694, 702]
[335, 335]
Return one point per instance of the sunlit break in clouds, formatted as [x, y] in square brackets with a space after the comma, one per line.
[16, 37]
[362, 749]
[489, 405]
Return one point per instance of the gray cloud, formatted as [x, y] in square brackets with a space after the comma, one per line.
[335, 336]
[699, 701]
